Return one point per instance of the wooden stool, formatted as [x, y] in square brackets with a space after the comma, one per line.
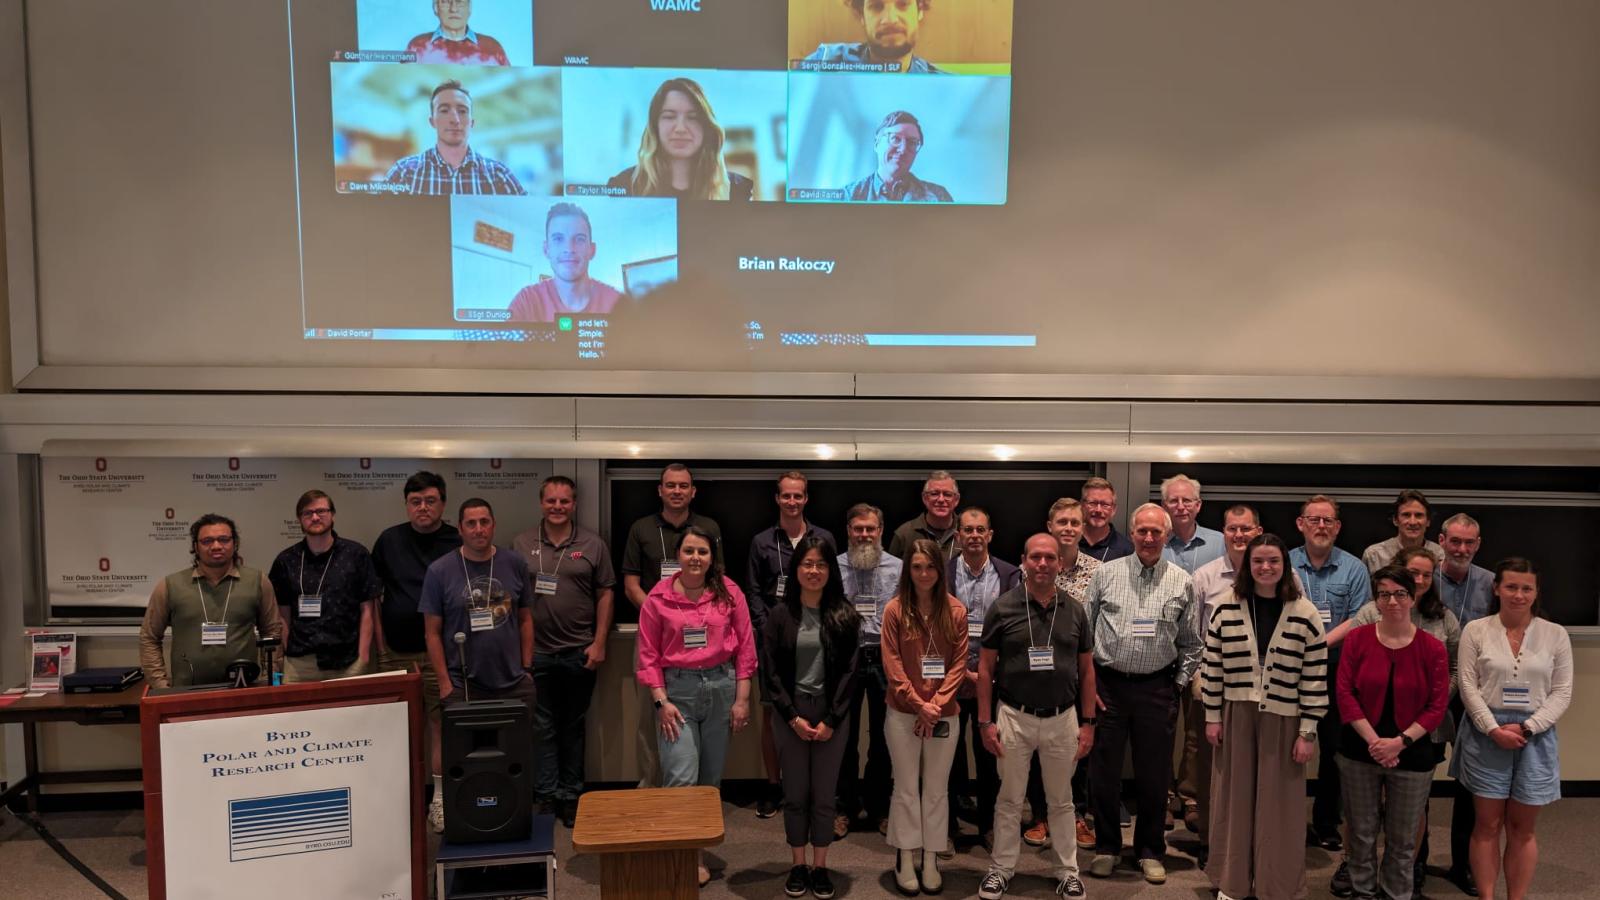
[649, 839]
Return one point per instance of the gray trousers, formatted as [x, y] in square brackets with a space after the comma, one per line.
[810, 774]
[1397, 797]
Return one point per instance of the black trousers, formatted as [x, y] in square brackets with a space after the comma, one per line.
[1143, 709]
[1463, 815]
[987, 787]
[564, 688]
[871, 793]
[1327, 803]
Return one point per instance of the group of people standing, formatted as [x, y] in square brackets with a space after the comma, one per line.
[1269, 656]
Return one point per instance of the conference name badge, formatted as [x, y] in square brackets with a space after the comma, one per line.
[974, 629]
[1041, 659]
[544, 584]
[778, 589]
[932, 668]
[669, 569]
[1514, 696]
[866, 605]
[213, 635]
[694, 638]
[1327, 618]
[481, 620]
[1144, 628]
[310, 606]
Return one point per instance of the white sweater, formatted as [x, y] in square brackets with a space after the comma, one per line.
[1294, 681]
[1485, 666]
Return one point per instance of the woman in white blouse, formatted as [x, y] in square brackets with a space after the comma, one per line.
[1515, 671]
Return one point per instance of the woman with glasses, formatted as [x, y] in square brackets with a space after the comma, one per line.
[1393, 690]
[810, 645]
[924, 640]
[1431, 616]
[1516, 681]
[696, 655]
[1264, 686]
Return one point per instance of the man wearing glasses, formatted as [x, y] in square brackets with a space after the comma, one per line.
[1337, 583]
[401, 556]
[326, 590]
[454, 42]
[896, 143]
[1192, 545]
[940, 495]
[217, 610]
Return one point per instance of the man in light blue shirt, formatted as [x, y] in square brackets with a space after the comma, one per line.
[890, 28]
[871, 578]
[1339, 585]
[1192, 545]
[1466, 590]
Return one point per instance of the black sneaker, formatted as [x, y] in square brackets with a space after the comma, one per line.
[766, 808]
[799, 881]
[1340, 885]
[569, 812]
[1330, 840]
[1070, 886]
[993, 886]
[1463, 880]
[821, 884]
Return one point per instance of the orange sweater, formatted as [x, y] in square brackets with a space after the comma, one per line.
[903, 650]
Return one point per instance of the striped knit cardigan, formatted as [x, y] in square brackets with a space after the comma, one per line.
[1294, 681]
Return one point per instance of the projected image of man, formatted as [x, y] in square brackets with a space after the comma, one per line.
[569, 246]
[897, 143]
[890, 28]
[680, 152]
[454, 41]
[451, 166]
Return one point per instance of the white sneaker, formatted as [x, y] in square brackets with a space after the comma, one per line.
[436, 813]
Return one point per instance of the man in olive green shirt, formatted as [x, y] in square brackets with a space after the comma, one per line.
[216, 610]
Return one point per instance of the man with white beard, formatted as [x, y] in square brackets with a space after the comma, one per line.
[871, 578]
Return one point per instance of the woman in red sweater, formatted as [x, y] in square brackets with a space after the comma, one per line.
[925, 663]
[1393, 690]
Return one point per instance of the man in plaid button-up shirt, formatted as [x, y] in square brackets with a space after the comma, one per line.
[451, 166]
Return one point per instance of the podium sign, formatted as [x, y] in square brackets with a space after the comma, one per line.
[297, 781]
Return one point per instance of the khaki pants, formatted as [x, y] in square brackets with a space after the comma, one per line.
[298, 669]
[1055, 739]
[1258, 809]
[391, 661]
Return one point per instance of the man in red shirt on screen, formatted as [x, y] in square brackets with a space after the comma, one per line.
[569, 246]
[454, 42]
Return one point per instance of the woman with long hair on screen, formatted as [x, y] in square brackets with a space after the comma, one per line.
[697, 655]
[925, 661]
[1516, 681]
[680, 152]
[810, 646]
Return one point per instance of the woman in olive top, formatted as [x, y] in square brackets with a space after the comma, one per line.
[925, 662]
[1393, 689]
[1516, 681]
[809, 648]
[1265, 687]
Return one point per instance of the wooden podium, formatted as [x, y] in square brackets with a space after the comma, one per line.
[649, 839]
[240, 779]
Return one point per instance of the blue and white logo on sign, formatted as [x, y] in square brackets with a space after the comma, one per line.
[286, 824]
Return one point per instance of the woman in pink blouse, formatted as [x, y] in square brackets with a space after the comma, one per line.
[697, 655]
[925, 662]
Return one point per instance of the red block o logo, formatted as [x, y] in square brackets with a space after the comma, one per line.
[99, 463]
[366, 462]
[171, 513]
[494, 463]
[233, 463]
[105, 564]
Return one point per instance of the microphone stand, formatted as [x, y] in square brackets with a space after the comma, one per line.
[466, 681]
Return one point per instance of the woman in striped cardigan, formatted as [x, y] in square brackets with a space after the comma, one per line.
[1265, 685]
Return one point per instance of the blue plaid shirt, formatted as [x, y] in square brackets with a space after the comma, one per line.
[428, 173]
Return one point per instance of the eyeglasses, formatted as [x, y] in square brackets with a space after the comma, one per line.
[1183, 501]
[900, 143]
[813, 565]
[212, 541]
[1315, 521]
[947, 495]
[1394, 595]
[315, 513]
[423, 502]
[1100, 504]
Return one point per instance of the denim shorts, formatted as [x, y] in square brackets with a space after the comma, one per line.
[1530, 776]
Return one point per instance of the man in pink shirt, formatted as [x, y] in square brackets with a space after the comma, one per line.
[569, 246]
[453, 42]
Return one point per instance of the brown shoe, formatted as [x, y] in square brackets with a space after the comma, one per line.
[1191, 816]
[841, 827]
[1085, 834]
[1038, 835]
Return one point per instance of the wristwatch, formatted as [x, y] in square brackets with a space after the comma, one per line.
[984, 724]
[1308, 736]
[1087, 720]
[1407, 739]
[1527, 732]
[658, 703]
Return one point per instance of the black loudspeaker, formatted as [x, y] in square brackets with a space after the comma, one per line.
[487, 747]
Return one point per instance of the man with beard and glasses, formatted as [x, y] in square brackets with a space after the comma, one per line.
[569, 291]
[327, 590]
[871, 578]
[940, 495]
[890, 28]
[896, 144]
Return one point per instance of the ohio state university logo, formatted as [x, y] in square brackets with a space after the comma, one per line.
[170, 513]
[494, 463]
[105, 564]
[366, 462]
[233, 463]
[99, 463]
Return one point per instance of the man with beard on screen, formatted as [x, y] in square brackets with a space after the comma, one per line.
[890, 28]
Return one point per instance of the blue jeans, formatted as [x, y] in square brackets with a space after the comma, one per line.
[705, 698]
[565, 687]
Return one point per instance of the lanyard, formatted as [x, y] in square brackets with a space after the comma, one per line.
[490, 587]
[541, 556]
[1027, 607]
[205, 614]
[321, 578]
